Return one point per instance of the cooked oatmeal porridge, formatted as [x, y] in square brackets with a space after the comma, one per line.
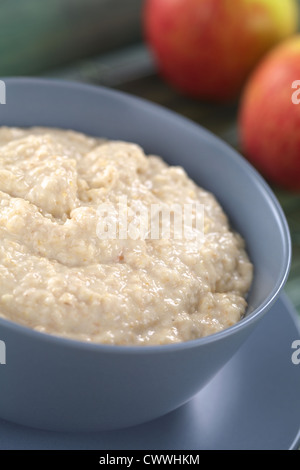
[57, 275]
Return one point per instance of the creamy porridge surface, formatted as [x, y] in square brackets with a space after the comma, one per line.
[58, 276]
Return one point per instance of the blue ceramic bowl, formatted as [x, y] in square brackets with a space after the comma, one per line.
[61, 384]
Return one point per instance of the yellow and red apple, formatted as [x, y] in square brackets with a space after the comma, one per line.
[269, 117]
[207, 48]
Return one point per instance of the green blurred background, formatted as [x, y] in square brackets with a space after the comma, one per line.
[101, 42]
[37, 35]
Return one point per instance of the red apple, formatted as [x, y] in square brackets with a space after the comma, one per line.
[206, 48]
[269, 117]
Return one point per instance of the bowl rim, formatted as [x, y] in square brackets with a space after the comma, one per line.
[221, 145]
